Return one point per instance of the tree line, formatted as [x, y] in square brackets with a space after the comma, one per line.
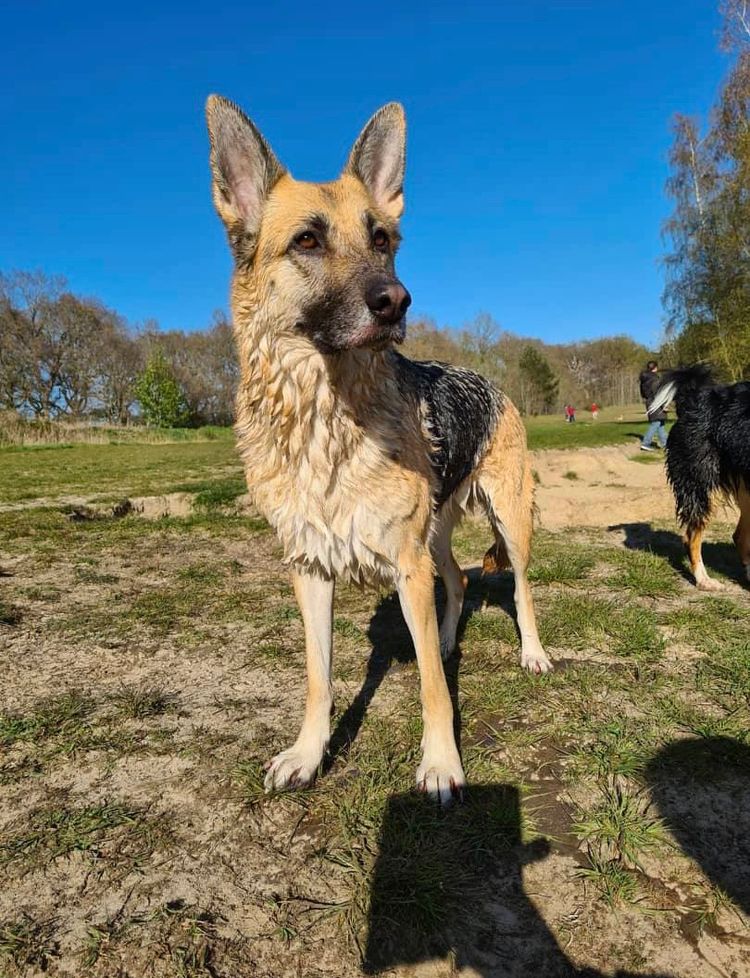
[66, 356]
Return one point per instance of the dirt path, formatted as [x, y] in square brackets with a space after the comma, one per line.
[602, 487]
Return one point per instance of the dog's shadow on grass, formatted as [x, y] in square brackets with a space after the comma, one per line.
[721, 557]
[392, 645]
[448, 886]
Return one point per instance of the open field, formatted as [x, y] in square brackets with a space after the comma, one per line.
[151, 667]
[139, 461]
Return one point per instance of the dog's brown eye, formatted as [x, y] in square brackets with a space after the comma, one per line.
[307, 240]
[380, 239]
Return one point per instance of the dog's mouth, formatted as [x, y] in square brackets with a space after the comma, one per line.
[369, 334]
[377, 336]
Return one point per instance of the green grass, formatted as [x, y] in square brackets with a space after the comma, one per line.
[121, 833]
[115, 471]
[26, 943]
[552, 431]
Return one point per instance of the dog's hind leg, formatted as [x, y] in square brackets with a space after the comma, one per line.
[694, 546]
[693, 473]
[440, 773]
[506, 486]
[298, 765]
[453, 580]
[742, 533]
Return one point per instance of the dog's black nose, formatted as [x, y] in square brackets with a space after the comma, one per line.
[388, 301]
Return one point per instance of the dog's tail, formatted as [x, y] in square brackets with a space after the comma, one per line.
[681, 386]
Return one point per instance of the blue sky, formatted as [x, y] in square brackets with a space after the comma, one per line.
[538, 140]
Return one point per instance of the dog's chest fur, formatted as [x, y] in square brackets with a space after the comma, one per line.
[337, 457]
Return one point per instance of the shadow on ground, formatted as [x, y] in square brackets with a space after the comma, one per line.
[392, 644]
[448, 886]
[720, 557]
[701, 788]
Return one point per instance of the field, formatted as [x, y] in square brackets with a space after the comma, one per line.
[152, 666]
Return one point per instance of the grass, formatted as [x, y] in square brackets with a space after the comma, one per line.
[26, 943]
[141, 786]
[121, 833]
[551, 431]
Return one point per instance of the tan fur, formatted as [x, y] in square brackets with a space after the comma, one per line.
[742, 533]
[338, 458]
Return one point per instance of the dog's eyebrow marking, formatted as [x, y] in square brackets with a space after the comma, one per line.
[371, 222]
[316, 222]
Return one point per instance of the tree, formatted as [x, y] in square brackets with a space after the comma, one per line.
[540, 385]
[707, 295]
[160, 396]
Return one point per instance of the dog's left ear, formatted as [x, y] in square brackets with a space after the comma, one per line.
[378, 158]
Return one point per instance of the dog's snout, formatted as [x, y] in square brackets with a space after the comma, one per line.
[388, 301]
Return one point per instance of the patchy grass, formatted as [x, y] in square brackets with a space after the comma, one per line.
[157, 665]
[121, 834]
[27, 943]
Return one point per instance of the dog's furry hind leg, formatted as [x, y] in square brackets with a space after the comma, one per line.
[453, 580]
[742, 533]
[507, 487]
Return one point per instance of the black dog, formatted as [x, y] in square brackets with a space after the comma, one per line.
[708, 453]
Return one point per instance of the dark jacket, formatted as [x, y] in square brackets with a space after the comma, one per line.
[650, 383]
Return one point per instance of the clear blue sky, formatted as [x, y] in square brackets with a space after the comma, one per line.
[538, 138]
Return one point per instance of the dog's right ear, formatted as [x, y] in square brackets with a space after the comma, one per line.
[244, 171]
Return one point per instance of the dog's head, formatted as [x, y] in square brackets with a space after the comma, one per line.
[320, 255]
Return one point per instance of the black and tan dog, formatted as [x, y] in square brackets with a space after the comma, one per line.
[362, 460]
[708, 455]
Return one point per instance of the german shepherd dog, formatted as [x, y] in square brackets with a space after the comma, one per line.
[362, 460]
[708, 454]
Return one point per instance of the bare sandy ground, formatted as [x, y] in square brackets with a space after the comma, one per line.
[603, 487]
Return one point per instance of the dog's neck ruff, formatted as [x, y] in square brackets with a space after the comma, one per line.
[321, 438]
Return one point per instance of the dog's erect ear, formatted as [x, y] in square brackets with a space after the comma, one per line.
[244, 170]
[379, 158]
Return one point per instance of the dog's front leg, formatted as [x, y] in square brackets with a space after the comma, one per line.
[440, 774]
[298, 765]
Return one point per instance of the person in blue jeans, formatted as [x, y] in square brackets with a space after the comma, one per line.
[649, 385]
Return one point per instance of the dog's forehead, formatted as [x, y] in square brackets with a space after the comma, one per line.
[342, 203]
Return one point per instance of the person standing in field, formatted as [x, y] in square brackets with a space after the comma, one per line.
[594, 411]
[649, 385]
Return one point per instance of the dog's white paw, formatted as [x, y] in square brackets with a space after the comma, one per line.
[442, 778]
[292, 768]
[536, 661]
[709, 584]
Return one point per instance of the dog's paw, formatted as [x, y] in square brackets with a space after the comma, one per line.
[709, 584]
[536, 661]
[292, 768]
[441, 778]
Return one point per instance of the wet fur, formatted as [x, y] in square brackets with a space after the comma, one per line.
[362, 460]
[708, 456]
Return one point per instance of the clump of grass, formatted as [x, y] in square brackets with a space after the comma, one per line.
[248, 777]
[571, 475]
[580, 622]
[618, 751]
[615, 883]
[347, 628]
[620, 827]
[140, 702]
[491, 627]
[8, 614]
[111, 830]
[563, 567]
[63, 716]
[645, 574]
[217, 495]
[26, 942]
